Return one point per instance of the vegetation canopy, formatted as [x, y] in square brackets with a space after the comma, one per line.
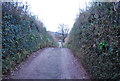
[95, 39]
[22, 34]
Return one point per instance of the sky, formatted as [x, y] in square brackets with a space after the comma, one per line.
[55, 12]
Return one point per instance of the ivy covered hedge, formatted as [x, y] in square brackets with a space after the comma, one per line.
[22, 34]
[95, 39]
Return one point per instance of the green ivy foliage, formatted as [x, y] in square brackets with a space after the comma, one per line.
[95, 39]
[22, 34]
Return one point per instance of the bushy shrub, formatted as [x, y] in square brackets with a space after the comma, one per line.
[22, 34]
[95, 39]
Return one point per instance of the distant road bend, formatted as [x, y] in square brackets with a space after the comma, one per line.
[51, 63]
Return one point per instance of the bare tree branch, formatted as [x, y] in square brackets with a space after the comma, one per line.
[63, 29]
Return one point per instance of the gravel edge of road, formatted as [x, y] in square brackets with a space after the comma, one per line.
[79, 62]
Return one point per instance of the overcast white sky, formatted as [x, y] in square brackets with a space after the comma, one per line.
[55, 12]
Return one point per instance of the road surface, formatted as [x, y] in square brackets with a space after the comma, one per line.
[51, 63]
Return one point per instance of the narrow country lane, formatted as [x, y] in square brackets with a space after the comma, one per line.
[51, 63]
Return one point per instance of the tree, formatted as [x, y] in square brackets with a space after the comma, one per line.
[63, 29]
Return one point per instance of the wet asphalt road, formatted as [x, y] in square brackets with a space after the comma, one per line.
[51, 63]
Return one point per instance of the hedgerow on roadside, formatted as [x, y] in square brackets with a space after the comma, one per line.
[22, 34]
[95, 39]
